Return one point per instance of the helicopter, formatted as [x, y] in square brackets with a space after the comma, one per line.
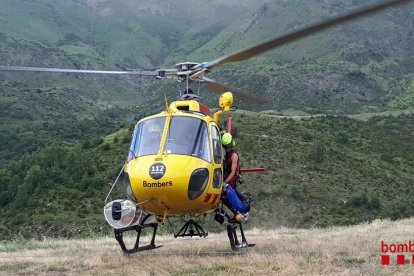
[175, 161]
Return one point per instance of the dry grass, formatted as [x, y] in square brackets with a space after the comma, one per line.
[353, 250]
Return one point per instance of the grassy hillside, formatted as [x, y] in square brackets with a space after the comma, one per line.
[358, 67]
[322, 171]
[350, 250]
[328, 170]
[56, 156]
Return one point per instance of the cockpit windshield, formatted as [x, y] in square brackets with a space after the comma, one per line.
[147, 137]
[186, 135]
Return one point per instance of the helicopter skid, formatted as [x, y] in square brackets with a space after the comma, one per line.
[138, 228]
[234, 241]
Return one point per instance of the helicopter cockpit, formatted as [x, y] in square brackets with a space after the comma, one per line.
[186, 136]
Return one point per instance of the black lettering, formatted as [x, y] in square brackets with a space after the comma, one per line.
[156, 184]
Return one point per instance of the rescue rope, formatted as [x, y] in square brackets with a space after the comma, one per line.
[113, 185]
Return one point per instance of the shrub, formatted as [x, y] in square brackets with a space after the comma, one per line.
[126, 139]
[317, 152]
[342, 138]
[106, 147]
[359, 200]
[375, 203]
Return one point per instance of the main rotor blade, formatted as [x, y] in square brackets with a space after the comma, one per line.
[238, 93]
[60, 70]
[303, 32]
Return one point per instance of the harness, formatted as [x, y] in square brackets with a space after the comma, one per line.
[227, 168]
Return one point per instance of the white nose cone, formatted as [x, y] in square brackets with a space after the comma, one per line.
[122, 213]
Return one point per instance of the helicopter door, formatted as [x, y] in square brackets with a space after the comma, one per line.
[215, 137]
[217, 154]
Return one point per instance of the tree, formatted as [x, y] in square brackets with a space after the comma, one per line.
[33, 178]
[22, 196]
[317, 152]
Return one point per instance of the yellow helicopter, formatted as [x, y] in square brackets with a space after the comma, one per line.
[174, 168]
[175, 161]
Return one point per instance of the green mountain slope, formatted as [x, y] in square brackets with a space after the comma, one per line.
[320, 171]
[355, 67]
[351, 68]
[37, 108]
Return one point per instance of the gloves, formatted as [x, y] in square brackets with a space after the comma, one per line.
[225, 185]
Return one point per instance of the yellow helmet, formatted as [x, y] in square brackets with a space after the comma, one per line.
[227, 139]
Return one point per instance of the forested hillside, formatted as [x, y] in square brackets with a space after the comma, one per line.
[321, 171]
[63, 137]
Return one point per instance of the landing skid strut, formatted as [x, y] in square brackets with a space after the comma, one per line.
[138, 229]
[191, 228]
[234, 241]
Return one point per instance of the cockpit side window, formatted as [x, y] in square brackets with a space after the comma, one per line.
[147, 137]
[215, 136]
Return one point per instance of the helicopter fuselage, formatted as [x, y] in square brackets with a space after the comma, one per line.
[175, 162]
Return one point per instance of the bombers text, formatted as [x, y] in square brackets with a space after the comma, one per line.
[157, 184]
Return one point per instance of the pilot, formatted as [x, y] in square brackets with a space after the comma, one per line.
[239, 204]
[155, 131]
[151, 142]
